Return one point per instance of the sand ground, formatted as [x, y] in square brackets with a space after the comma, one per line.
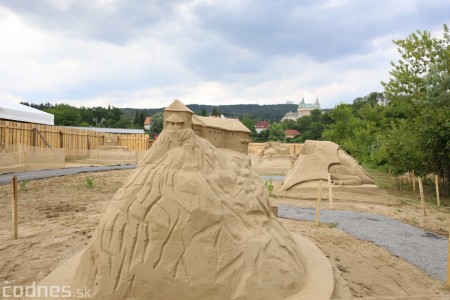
[57, 217]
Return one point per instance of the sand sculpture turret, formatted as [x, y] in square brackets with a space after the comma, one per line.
[194, 222]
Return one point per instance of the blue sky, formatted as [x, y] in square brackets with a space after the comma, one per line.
[147, 53]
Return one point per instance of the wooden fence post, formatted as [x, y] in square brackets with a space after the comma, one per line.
[414, 182]
[436, 183]
[389, 177]
[448, 258]
[422, 198]
[14, 207]
[319, 197]
[330, 192]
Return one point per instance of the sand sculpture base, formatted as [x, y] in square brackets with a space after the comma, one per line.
[194, 222]
[319, 283]
[365, 193]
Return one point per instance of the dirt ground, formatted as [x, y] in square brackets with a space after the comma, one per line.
[57, 217]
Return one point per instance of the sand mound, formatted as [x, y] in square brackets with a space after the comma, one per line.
[192, 222]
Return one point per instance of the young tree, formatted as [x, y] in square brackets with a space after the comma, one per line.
[418, 91]
[276, 132]
[65, 115]
[215, 112]
[157, 123]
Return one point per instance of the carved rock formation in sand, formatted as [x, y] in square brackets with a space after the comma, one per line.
[317, 159]
[191, 222]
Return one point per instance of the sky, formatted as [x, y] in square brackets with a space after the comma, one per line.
[145, 54]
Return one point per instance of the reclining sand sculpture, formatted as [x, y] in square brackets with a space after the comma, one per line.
[194, 222]
[317, 159]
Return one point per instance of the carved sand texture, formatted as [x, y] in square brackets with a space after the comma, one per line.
[317, 159]
[191, 222]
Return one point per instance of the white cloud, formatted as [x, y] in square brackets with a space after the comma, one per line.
[126, 54]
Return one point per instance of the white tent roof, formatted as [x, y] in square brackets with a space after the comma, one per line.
[18, 112]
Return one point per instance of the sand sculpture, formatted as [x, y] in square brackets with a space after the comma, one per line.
[275, 158]
[317, 159]
[194, 222]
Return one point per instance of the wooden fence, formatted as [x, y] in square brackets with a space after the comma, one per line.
[75, 142]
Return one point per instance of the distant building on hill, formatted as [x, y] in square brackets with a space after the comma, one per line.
[147, 123]
[304, 109]
[262, 125]
[291, 133]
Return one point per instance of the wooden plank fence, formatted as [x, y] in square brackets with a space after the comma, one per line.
[75, 142]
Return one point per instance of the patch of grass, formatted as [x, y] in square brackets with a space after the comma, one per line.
[23, 185]
[414, 221]
[269, 186]
[441, 218]
[333, 225]
[89, 182]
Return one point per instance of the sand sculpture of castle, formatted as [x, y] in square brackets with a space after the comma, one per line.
[222, 133]
[194, 221]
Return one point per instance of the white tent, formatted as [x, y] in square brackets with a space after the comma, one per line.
[18, 112]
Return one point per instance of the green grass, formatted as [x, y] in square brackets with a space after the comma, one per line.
[89, 182]
[404, 188]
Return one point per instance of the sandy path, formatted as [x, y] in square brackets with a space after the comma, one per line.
[57, 217]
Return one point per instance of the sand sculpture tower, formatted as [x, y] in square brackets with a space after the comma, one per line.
[194, 222]
[177, 116]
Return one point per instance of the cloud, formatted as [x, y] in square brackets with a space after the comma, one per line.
[146, 53]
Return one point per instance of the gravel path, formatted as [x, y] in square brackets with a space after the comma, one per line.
[272, 177]
[6, 178]
[426, 250]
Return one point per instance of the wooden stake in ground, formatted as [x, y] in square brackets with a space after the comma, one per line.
[330, 192]
[414, 182]
[14, 207]
[390, 179]
[436, 183]
[319, 198]
[448, 259]
[422, 198]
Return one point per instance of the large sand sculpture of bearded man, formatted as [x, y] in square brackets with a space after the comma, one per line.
[194, 222]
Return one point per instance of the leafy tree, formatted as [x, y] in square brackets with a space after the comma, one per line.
[215, 112]
[203, 112]
[418, 92]
[157, 123]
[65, 115]
[276, 132]
[250, 124]
[136, 117]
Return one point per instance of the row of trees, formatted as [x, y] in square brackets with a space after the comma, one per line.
[111, 117]
[405, 128]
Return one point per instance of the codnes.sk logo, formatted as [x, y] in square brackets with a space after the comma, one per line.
[43, 292]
